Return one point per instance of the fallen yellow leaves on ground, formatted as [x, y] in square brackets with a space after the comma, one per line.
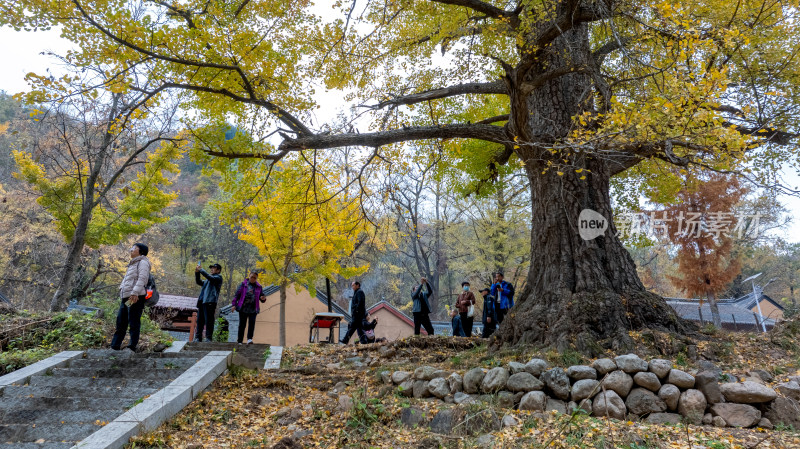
[307, 399]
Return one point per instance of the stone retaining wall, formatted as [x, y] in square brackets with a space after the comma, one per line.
[625, 387]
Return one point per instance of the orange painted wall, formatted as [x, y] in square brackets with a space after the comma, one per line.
[300, 309]
[769, 310]
[390, 326]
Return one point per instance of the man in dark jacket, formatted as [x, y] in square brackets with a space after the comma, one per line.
[489, 314]
[358, 311]
[207, 301]
[422, 308]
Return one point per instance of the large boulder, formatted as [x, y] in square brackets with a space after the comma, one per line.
[412, 417]
[406, 388]
[534, 400]
[663, 418]
[604, 366]
[515, 367]
[789, 389]
[463, 398]
[557, 382]
[706, 381]
[630, 363]
[505, 399]
[447, 420]
[609, 404]
[660, 367]
[641, 401]
[420, 389]
[692, 406]
[747, 392]
[536, 366]
[585, 405]
[555, 404]
[680, 379]
[456, 383]
[670, 394]
[439, 387]
[618, 381]
[425, 373]
[580, 372]
[584, 388]
[647, 380]
[737, 415]
[784, 411]
[761, 374]
[495, 380]
[441, 373]
[473, 379]
[399, 377]
[524, 382]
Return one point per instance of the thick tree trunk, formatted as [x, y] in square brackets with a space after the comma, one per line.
[580, 294]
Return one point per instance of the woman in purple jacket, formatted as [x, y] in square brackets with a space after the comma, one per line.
[245, 303]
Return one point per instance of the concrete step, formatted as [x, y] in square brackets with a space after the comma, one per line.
[46, 445]
[135, 363]
[110, 354]
[8, 404]
[75, 392]
[223, 346]
[28, 416]
[53, 432]
[151, 374]
[82, 382]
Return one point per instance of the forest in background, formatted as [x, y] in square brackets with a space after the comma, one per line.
[428, 226]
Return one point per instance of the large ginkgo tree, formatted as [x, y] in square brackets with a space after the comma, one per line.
[589, 90]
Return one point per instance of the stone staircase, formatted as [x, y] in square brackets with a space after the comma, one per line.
[63, 405]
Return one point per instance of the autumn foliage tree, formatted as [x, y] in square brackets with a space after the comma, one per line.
[703, 225]
[587, 90]
[301, 231]
[99, 162]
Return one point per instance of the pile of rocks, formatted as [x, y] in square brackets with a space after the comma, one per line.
[625, 387]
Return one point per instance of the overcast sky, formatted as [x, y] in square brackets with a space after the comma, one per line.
[20, 54]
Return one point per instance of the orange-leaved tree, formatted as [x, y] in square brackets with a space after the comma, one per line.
[703, 226]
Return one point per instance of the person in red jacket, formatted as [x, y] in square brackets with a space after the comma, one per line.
[463, 302]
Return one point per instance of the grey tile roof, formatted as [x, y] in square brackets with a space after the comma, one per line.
[177, 302]
[729, 312]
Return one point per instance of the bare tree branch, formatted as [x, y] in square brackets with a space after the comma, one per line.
[493, 87]
[488, 133]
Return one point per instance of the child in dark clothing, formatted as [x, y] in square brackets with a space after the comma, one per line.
[369, 328]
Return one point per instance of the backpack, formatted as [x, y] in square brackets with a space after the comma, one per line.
[370, 334]
[151, 298]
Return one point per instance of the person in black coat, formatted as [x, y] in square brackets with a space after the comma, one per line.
[489, 314]
[422, 307]
[207, 301]
[358, 311]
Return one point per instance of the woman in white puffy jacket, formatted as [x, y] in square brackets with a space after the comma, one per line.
[132, 293]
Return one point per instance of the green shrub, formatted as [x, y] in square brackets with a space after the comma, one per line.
[221, 330]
